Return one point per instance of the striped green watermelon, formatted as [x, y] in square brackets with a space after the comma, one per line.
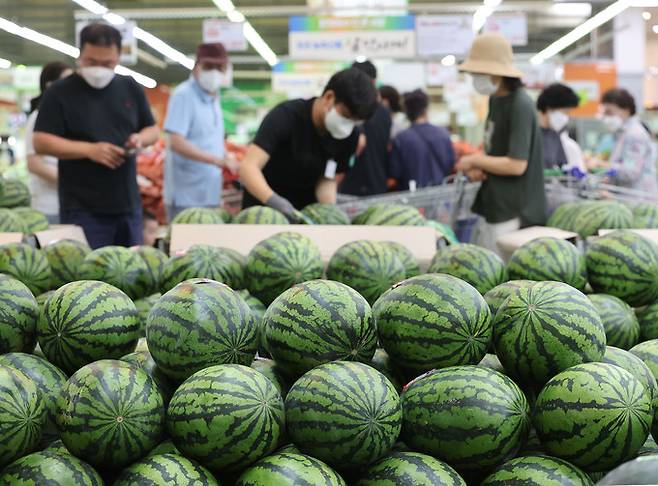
[33, 220]
[326, 214]
[50, 468]
[226, 417]
[169, 469]
[225, 215]
[382, 362]
[648, 320]
[471, 417]
[23, 414]
[290, 468]
[10, 222]
[538, 471]
[155, 261]
[86, 321]
[165, 447]
[594, 415]
[58, 447]
[407, 258]
[15, 194]
[624, 264]
[396, 215]
[344, 413]
[42, 298]
[480, 267]
[273, 372]
[643, 470]
[549, 259]
[49, 381]
[27, 264]
[410, 468]
[647, 351]
[564, 216]
[362, 217]
[279, 262]
[65, 258]
[202, 261]
[144, 360]
[597, 215]
[260, 215]
[19, 312]
[499, 294]
[443, 231]
[111, 414]
[369, 267]
[545, 328]
[622, 329]
[117, 266]
[198, 216]
[317, 322]
[433, 321]
[143, 307]
[258, 311]
[645, 215]
[200, 323]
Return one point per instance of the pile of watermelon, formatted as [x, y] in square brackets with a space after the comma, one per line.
[129, 366]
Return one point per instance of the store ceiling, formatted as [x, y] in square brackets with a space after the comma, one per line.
[178, 22]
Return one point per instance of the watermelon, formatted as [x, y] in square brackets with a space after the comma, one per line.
[410, 468]
[643, 470]
[433, 321]
[443, 231]
[143, 307]
[27, 264]
[86, 321]
[384, 364]
[279, 262]
[564, 216]
[226, 417]
[468, 416]
[47, 467]
[42, 298]
[549, 259]
[645, 215]
[165, 447]
[624, 264]
[49, 381]
[198, 216]
[594, 415]
[258, 311]
[117, 266]
[344, 413]
[317, 322]
[480, 267]
[598, 215]
[545, 328]
[260, 215]
[144, 360]
[405, 256]
[33, 220]
[634, 365]
[224, 214]
[58, 447]
[202, 261]
[19, 312]
[274, 373]
[169, 469]
[290, 468]
[110, 414]
[622, 329]
[10, 222]
[326, 214]
[362, 217]
[499, 294]
[65, 258]
[647, 351]
[648, 320]
[396, 215]
[23, 414]
[155, 261]
[538, 471]
[15, 194]
[197, 324]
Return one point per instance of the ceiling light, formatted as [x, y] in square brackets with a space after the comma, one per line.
[92, 6]
[224, 5]
[655, 29]
[140, 78]
[646, 15]
[571, 9]
[259, 44]
[448, 61]
[480, 18]
[5, 63]
[235, 16]
[492, 3]
[114, 19]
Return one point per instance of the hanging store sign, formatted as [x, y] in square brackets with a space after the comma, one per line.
[353, 8]
[299, 79]
[514, 27]
[441, 35]
[231, 34]
[128, 40]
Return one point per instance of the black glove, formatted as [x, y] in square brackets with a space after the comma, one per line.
[282, 205]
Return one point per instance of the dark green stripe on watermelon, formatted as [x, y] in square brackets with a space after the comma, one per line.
[410, 468]
[15, 194]
[273, 372]
[538, 471]
[290, 468]
[27, 264]
[10, 222]
[634, 365]
[598, 215]
[33, 220]
[144, 360]
[46, 468]
[499, 294]
[155, 261]
[169, 469]
[326, 214]
[260, 215]
[65, 258]
[405, 256]
[19, 312]
[622, 329]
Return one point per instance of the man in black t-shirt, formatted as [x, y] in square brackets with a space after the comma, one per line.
[302, 144]
[94, 122]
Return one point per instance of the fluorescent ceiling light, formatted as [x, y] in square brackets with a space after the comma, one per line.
[235, 16]
[448, 61]
[92, 6]
[646, 15]
[571, 9]
[581, 31]
[5, 63]
[655, 29]
[140, 78]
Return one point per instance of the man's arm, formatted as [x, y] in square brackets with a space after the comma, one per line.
[326, 190]
[187, 149]
[251, 173]
[500, 166]
[103, 153]
[149, 135]
[37, 166]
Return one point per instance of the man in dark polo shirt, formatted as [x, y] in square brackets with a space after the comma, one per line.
[94, 122]
[302, 144]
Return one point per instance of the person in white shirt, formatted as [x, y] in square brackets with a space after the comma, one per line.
[43, 168]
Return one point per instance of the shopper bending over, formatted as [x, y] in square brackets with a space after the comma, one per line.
[422, 155]
[302, 144]
[94, 122]
[512, 194]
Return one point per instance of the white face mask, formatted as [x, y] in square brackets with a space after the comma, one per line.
[558, 120]
[210, 80]
[337, 125]
[483, 84]
[97, 77]
[612, 123]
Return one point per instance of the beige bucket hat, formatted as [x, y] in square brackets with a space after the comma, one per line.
[491, 54]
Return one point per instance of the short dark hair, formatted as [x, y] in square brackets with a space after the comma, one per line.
[621, 98]
[390, 94]
[512, 84]
[557, 96]
[367, 67]
[415, 104]
[51, 72]
[355, 90]
[100, 34]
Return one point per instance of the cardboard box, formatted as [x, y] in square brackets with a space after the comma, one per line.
[242, 238]
[60, 232]
[10, 238]
[511, 241]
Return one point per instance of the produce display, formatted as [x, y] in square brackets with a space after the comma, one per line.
[202, 261]
[65, 258]
[325, 214]
[260, 215]
[27, 264]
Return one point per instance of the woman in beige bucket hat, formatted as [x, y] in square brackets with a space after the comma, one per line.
[512, 193]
